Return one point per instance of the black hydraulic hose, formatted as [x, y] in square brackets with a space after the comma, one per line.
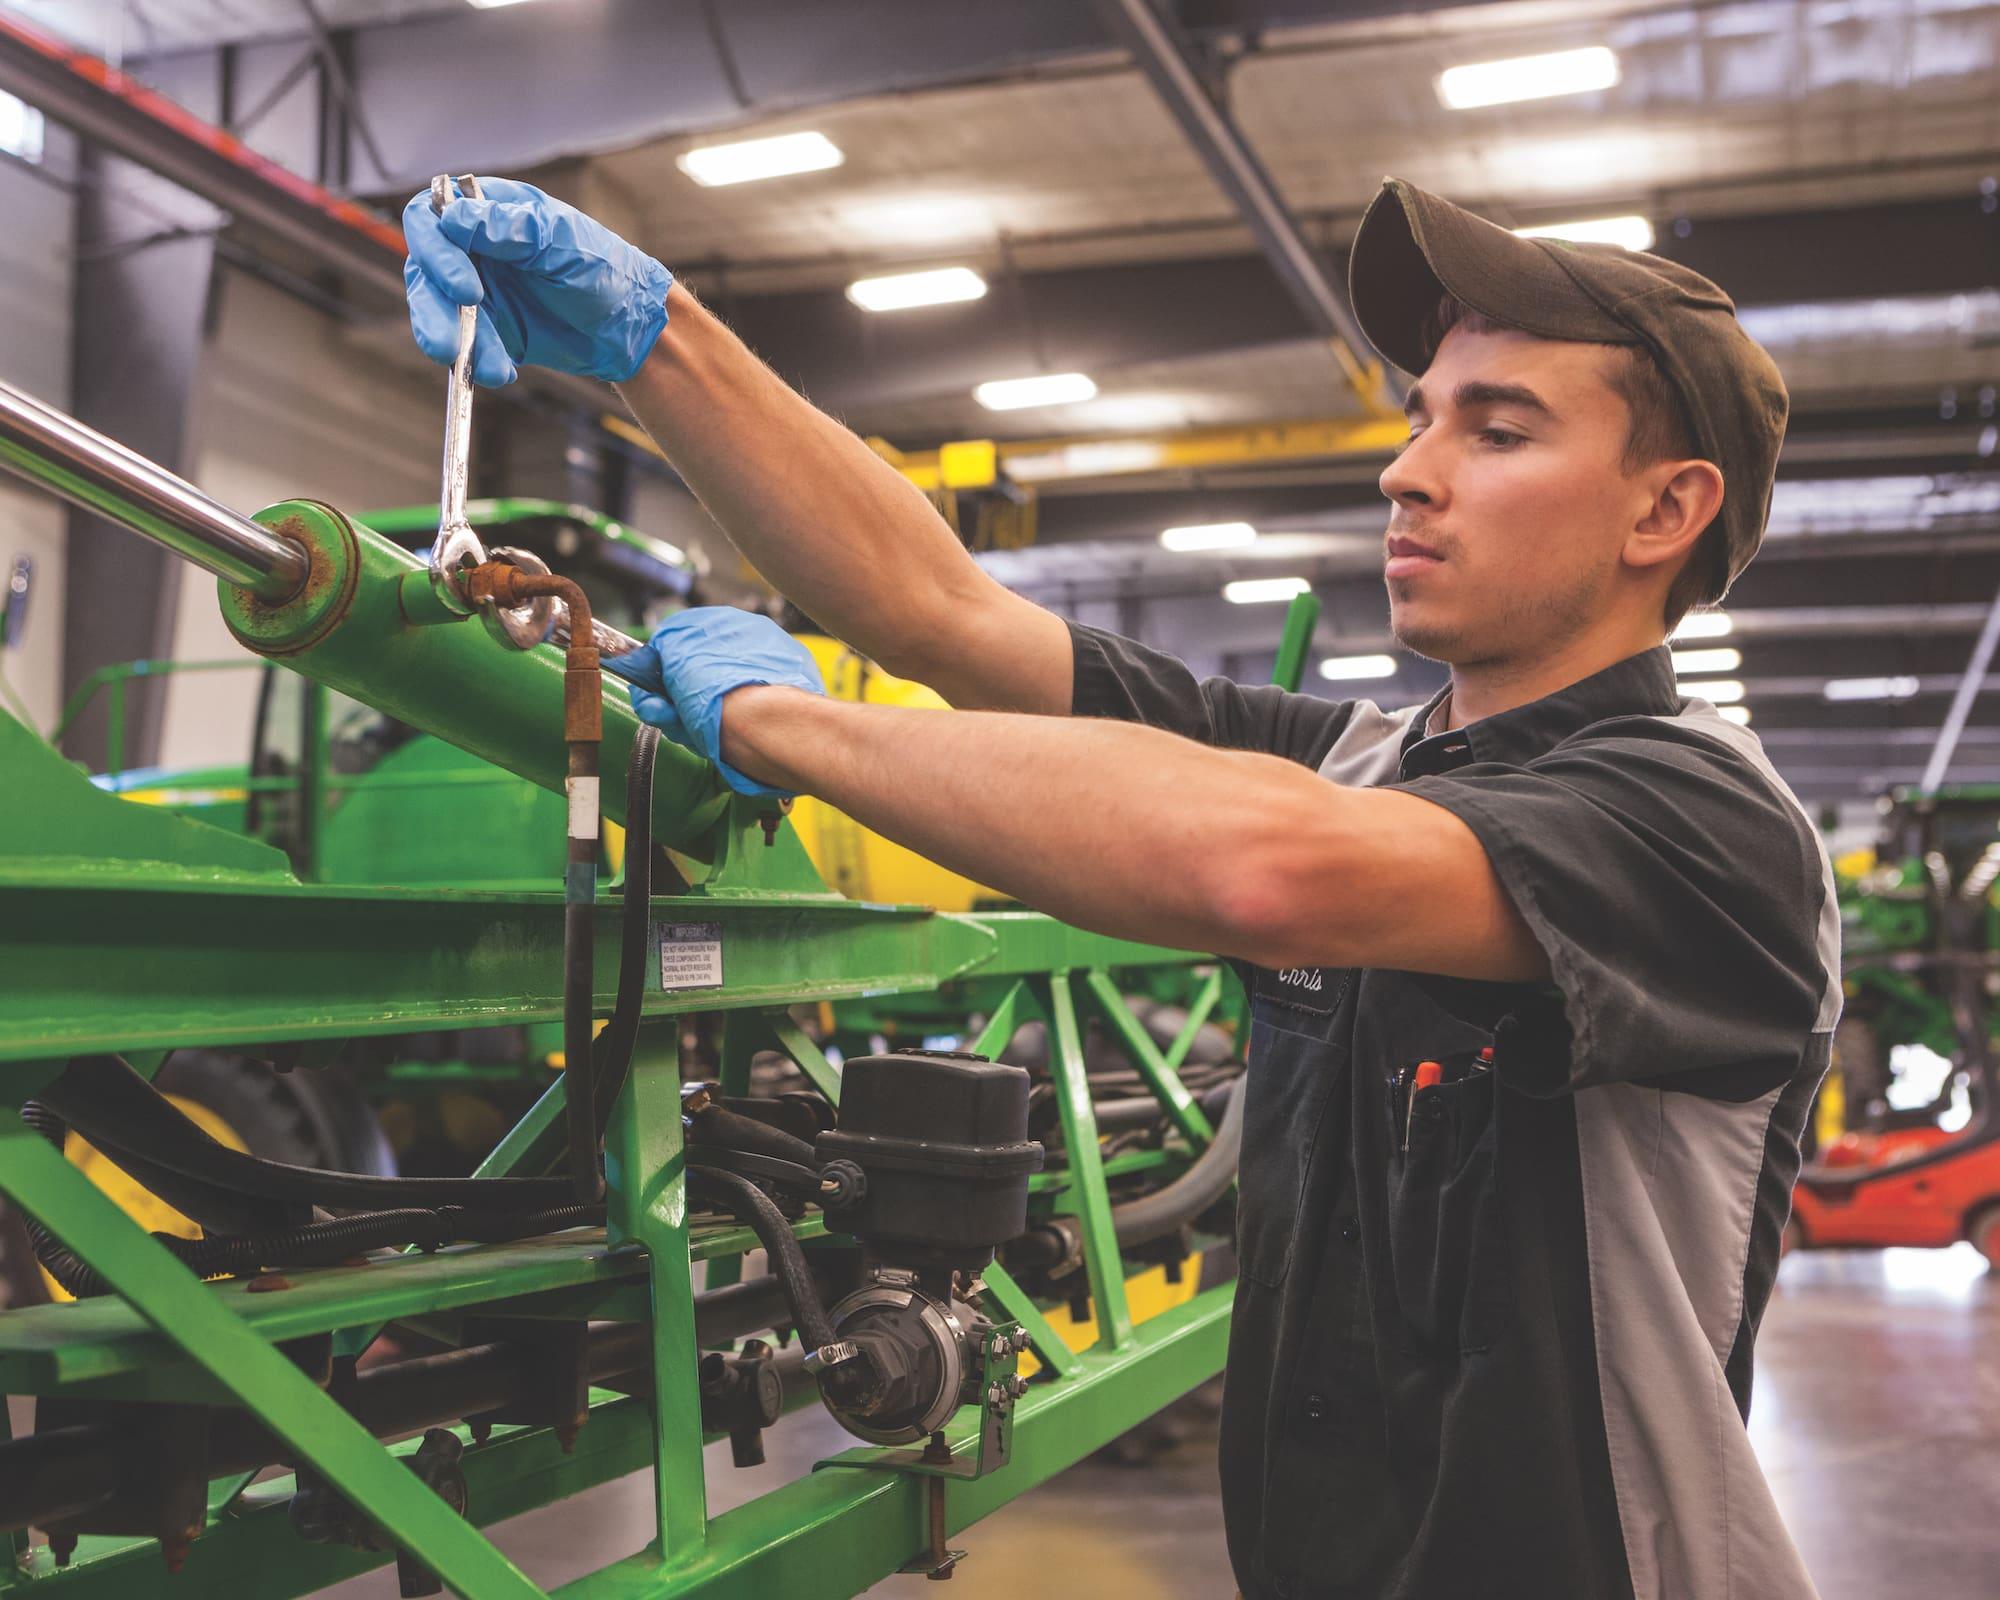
[612, 1061]
[1207, 1180]
[717, 1125]
[319, 1244]
[1144, 1111]
[111, 1105]
[748, 1203]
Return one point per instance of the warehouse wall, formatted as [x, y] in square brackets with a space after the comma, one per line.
[287, 405]
[36, 259]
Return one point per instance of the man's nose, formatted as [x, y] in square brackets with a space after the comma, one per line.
[1413, 478]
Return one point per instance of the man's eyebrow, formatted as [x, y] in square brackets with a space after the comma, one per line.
[1413, 400]
[1475, 393]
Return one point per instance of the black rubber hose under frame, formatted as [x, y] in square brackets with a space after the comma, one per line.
[106, 1101]
[748, 1203]
[612, 1060]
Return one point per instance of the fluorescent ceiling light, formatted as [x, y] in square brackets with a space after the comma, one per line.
[749, 160]
[20, 129]
[1209, 536]
[1050, 389]
[1499, 83]
[1258, 591]
[1628, 233]
[1871, 688]
[1704, 625]
[1717, 691]
[1740, 715]
[1725, 659]
[1345, 668]
[902, 290]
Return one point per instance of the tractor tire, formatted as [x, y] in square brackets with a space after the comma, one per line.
[1983, 1229]
[306, 1117]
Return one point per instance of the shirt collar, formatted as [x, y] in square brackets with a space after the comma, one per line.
[1640, 685]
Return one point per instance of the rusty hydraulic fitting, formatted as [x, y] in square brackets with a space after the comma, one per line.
[502, 584]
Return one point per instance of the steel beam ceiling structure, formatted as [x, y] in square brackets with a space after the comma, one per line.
[119, 114]
[1162, 52]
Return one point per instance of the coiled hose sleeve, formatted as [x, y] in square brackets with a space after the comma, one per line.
[1207, 1179]
[748, 1203]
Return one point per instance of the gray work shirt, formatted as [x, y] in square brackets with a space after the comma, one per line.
[1493, 1337]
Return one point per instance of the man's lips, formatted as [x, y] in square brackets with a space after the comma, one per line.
[1407, 557]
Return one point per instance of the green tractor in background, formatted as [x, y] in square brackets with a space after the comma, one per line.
[1920, 944]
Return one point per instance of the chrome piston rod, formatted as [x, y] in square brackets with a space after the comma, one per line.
[56, 452]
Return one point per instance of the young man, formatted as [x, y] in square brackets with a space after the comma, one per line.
[1544, 972]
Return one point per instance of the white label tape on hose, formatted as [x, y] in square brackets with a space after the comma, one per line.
[582, 807]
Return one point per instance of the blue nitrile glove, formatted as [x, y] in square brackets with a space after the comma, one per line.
[554, 288]
[695, 658]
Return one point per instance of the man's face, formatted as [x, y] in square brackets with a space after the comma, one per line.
[1512, 502]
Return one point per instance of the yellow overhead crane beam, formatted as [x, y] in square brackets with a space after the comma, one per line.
[973, 463]
[979, 463]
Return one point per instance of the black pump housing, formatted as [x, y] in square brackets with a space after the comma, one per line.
[943, 1138]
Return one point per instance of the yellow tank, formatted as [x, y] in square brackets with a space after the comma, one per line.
[860, 864]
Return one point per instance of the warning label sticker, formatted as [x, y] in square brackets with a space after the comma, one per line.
[690, 955]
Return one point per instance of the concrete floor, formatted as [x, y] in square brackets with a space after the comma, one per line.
[1877, 1422]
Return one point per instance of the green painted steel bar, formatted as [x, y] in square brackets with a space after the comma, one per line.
[1204, 1002]
[347, 629]
[1087, 1195]
[1301, 617]
[118, 671]
[646, 1177]
[1145, 1056]
[1055, 1354]
[258, 1376]
[832, 1534]
[314, 769]
[518, 1470]
[331, 961]
[1015, 1008]
[812, 1061]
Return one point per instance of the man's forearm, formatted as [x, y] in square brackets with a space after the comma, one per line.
[837, 529]
[1138, 833]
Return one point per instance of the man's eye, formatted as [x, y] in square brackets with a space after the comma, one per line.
[1501, 438]
[1415, 435]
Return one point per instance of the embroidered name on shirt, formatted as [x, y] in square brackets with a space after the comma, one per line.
[1314, 989]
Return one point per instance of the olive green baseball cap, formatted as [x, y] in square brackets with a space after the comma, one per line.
[1413, 249]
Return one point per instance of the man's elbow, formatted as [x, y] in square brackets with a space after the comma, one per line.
[1263, 916]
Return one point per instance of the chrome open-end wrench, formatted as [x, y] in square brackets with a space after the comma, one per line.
[457, 547]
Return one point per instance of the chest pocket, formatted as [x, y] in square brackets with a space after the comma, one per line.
[1297, 1052]
[1447, 1233]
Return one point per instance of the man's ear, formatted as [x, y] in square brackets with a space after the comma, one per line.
[1686, 497]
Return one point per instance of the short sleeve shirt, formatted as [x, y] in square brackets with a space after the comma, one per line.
[1493, 1333]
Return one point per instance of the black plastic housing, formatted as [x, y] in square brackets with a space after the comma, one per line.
[943, 1138]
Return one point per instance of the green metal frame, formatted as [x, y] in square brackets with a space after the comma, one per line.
[130, 929]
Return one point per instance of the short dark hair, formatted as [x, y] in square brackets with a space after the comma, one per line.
[1659, 430]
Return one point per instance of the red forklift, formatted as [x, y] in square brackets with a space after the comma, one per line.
[1921, 960]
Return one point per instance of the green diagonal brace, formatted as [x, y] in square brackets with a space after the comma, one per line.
[1152, 1066]
[166, 1294]
[1086, 1163]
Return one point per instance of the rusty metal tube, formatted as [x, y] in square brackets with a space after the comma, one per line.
[54, 451]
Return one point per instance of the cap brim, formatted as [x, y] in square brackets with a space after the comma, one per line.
[1412, 249]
